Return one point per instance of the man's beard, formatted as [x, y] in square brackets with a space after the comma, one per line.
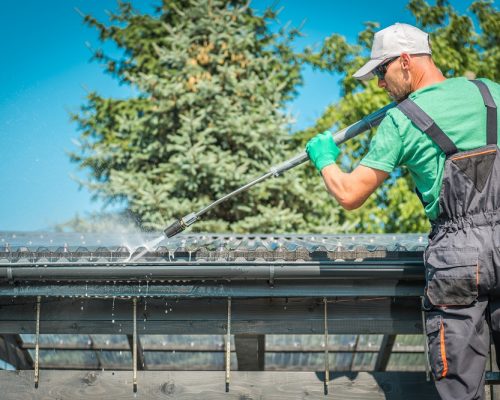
[402, 98]
[399, 97]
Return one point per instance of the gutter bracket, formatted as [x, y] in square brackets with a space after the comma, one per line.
[271, 275]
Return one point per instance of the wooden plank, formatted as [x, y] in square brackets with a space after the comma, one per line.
[180, 385]
[208, 316]
[385, 352]
[250, 352]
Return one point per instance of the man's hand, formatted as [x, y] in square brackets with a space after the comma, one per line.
[322, 150]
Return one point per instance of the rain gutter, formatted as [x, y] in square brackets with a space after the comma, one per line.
[401, 270]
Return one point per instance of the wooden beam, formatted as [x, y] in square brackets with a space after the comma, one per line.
[182, 385]
[96, 352]
[250, 352]
[222, 289]
[493, 374]
[385, 352]
[214, 348]
[378, 315]
[12, 352]
[355, 349]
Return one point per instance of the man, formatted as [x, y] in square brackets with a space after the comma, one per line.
[445, 131]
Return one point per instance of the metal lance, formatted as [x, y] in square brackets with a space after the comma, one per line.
[339, 137]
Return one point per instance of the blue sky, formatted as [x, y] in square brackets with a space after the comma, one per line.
[46, 70]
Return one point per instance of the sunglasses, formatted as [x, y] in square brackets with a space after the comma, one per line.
[381, 70]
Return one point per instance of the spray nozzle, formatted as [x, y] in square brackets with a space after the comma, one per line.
[181, 224]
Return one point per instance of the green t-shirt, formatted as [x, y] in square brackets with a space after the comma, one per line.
[458, 109]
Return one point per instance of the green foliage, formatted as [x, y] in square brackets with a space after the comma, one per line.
[459, 49]
[212, 80]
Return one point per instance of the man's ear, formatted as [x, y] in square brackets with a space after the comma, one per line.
[405, 61]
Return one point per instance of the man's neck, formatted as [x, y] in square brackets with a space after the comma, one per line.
[427, 76]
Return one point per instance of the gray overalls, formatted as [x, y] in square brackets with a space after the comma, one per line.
[462, 259]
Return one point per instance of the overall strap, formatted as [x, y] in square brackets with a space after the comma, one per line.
[491, 112]
[426, 124]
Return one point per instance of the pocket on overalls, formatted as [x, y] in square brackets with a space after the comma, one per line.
[452, 276]
[435, 331]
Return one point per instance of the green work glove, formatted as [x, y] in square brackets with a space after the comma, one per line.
[322, 150]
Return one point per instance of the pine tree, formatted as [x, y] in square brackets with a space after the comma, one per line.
[213, 81]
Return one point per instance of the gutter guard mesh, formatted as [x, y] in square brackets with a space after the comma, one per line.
[48, 248]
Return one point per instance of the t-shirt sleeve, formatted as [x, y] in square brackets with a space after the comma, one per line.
[386, 147]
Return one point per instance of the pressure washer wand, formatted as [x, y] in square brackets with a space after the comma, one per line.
[341, 136]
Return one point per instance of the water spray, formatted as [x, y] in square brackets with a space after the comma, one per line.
[341, 136]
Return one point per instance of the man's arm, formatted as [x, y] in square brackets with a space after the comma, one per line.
[352, 189]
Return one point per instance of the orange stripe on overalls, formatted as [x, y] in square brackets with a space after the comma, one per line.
[443, 351]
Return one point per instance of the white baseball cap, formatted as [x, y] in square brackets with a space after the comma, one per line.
[391, 42]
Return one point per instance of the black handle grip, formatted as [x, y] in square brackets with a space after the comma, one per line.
[174, 229]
